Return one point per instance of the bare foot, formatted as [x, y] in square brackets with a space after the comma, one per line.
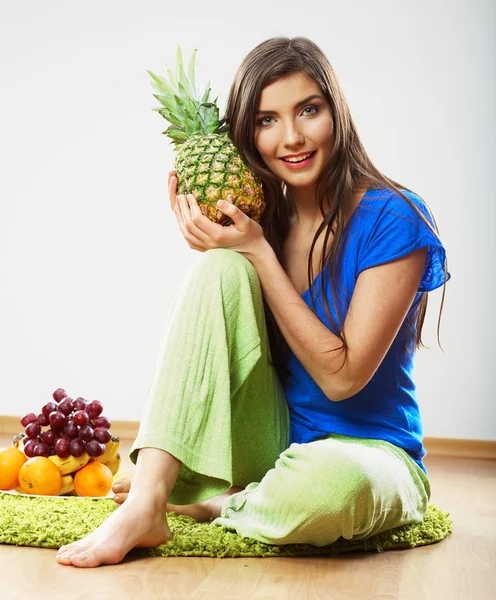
[201, 512]
[136, 524]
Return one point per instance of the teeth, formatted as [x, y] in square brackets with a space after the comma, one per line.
[294, 160]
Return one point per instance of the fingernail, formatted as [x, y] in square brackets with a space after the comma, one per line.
[117, 487]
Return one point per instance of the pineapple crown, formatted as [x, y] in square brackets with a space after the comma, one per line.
[188, 110]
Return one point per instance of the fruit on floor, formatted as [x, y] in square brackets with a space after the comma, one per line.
[111, 449]
[94, 479]
[11, 461]
[69, 464]
[207, 164]
[38, 475]
[74, 426]
[114, 464]
[67, 433]
[67, 485]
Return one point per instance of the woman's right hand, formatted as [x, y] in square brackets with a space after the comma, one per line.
[172, 188]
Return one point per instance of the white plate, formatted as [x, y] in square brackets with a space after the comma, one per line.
[14, 493]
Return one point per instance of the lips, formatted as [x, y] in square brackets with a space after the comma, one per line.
[298, 158]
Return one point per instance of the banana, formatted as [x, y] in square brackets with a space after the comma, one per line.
[71, 463]
[67, 485]
[111, 449]
[18, 441]
[114, 463]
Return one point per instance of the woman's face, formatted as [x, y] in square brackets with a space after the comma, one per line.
[294, 118]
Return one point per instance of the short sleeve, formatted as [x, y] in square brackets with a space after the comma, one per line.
[396, 231]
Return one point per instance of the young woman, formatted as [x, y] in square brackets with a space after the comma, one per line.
[283, 405]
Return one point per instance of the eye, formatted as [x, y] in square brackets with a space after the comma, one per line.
[311, 107]
[315, 109]
[262, 121]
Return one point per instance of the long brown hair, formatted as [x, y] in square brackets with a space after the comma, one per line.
[348, 170]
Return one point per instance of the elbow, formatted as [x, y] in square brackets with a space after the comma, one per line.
[344, 389]
[347, 381]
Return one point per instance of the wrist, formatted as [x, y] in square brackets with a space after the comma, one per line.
[259, 252]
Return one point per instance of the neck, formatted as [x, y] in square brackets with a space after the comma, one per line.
[307, 216]
[306, 212]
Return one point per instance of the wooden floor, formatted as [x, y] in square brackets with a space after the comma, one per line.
[463, 567]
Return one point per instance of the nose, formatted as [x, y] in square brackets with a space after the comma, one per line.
[292, 136]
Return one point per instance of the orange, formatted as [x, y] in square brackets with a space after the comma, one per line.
[39, 475]
[94, 479]
[11, 461]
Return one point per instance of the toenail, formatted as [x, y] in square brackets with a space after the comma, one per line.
[81, 557]
[117, 487]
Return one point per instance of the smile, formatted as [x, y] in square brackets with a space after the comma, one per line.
[298, 159]
[300, 162]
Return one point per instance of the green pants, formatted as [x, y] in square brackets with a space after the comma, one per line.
[217, 405]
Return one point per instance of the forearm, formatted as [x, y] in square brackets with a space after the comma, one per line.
[306, 335]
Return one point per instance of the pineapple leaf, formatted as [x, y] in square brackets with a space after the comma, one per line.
[210, 116]
[164, 100]
[223, 126]
[167, 114]
[172, 78]
[191, 121]
[176, 135]
[188, 110]
[188, 101]
[206, 94]
[182, 77]
[191, 67]
[179, 62]
[158, 83]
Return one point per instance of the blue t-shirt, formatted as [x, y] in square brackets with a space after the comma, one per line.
[382, 228]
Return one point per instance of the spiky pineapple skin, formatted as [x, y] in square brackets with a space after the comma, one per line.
[210, 168]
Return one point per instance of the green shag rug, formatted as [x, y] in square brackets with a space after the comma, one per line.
[53, 522]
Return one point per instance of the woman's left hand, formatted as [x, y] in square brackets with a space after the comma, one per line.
[244, 235]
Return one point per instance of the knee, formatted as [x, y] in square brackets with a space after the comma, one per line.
[333, 476]
[224, 263]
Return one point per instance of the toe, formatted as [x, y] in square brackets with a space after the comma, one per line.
[96, 556]
[64, 556]
[122, 485]
[82, 560]
[120, 498]
[64, 559]
[68, 549]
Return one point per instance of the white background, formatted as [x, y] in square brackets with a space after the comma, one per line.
[91, 254]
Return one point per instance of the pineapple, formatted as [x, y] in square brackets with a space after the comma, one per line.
[207, 164]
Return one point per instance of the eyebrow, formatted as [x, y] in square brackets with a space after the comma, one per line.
[274, 112]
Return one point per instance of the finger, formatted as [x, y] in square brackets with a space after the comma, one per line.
[192, 216]
[203, 227]
[199, 224]
[172, 191]
[241, 220]
[192, 240]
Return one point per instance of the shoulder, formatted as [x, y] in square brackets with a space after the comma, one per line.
[387, 200]
[393, 227]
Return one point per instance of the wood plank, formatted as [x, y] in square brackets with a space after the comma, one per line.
[459, 568]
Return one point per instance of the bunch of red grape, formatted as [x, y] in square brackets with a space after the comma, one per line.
[74, 427]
